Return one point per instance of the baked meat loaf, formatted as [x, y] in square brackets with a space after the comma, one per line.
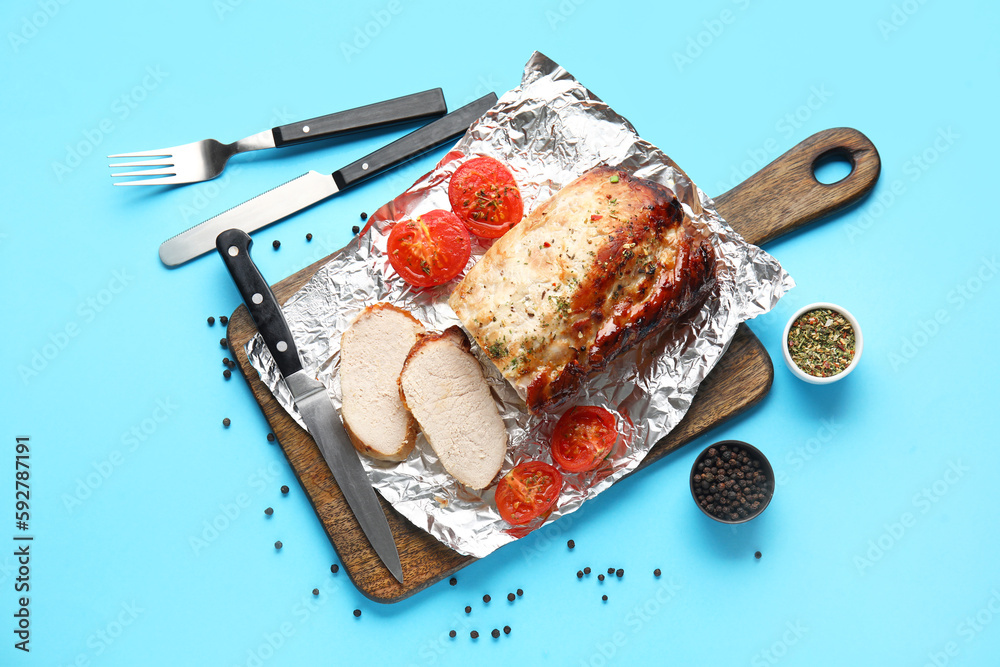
[606, 262]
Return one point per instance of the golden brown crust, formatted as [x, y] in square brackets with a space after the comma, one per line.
[608, 261]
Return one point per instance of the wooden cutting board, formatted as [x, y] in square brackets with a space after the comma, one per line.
[783, 196]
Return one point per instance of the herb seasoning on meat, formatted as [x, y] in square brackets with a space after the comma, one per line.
[821, 342]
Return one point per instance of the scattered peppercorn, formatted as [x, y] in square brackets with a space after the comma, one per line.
[474, 634]
[211, 321]
[222, 342]
[315, 591]
[519, 592]
[227, 374]
[277, 545]
[364, 216]
[656, 572]
[620, 573]
[309, 237]
[604, 597]
[269, 511]
[611, 570]
[357, 613]
[506, 629]
[452, 634]
[486, 599]
[270, 437]
[355, 229]
[452, 581]
[226, 422]
[600, 577]
[223, 320]
[757, 555]
[495, 633]
[586, 570]
[571, 544]
[511, 597]
[226, 362]
[284, 489]
[468, 609]
[335, 568]
[276, 244]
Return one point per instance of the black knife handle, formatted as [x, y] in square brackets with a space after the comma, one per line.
[419, 106]
[414, 143]
[234, 246]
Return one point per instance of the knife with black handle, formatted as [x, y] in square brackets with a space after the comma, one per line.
[310, 397]
[313, 187]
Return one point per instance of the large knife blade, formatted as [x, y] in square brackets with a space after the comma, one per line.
[310, 397]
[313, 187]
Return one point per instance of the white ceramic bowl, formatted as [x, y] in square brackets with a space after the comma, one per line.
[859, 344]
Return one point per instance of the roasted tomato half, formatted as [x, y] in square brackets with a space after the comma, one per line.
[484, 194]
[583, 438]
[429, 250]
[528, 491]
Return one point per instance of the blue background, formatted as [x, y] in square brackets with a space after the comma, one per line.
[881, 544]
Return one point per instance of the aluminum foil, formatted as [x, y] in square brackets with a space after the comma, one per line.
[548, 130]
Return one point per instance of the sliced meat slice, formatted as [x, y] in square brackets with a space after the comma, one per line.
[372, 352]
[443, 386]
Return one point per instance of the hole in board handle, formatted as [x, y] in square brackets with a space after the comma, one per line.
[833, 166]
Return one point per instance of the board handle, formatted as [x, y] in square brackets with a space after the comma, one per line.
[785, 195]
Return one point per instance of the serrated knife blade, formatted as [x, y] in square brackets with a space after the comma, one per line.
[313, 187]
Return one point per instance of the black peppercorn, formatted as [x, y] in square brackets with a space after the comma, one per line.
[335, 568]
[656, 572]
[611, 570]
[519, 592]
[223, 320]
[269, 511]
[579, 574]
[586, 570]
[452, 581]
[211, 321]
[270, 437]
[474, 634]
[510, 597]
[276, 244]
[495, 633]
[309, 237]
[364, 216]
[506, 629]
[284, 489]
[315, 591]
[277, 545]
[571, 544]
[355, 229]
[226, 422]
[227, 374]
[486, 599]
[604, 597]
[222, 342]
[468, 609]
[620, 573]
[600, 577]
[357, 613]
[757, 555]
[452, 634]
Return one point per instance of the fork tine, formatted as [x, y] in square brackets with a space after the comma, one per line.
[163, 152]
[169, 171]
[166, 180]
[145, 163]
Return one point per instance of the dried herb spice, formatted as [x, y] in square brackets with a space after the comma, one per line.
[821, 342]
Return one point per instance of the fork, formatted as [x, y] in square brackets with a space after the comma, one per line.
[204, 160]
